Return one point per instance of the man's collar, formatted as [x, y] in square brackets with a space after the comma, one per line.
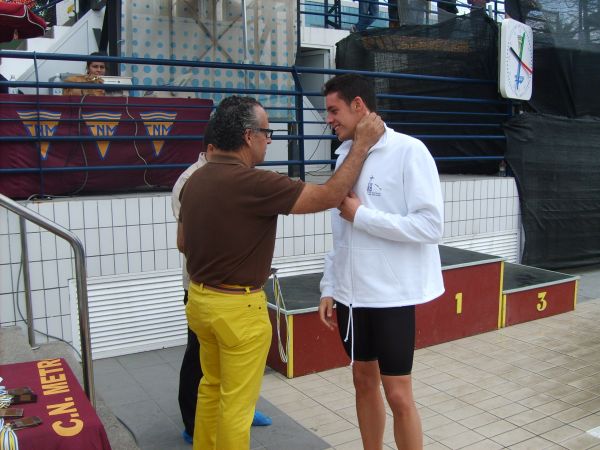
[225, 158]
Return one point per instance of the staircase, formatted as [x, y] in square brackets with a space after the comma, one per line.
[79, 38]
[14, 348]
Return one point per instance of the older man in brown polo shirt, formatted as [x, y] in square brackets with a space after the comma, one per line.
[228, 222]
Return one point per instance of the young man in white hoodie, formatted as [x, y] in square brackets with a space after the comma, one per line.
[385, 260]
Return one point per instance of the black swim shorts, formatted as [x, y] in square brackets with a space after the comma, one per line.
[383, 334]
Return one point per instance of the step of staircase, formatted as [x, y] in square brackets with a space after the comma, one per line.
[14, 348]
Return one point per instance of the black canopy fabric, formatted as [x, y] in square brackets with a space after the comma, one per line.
[566, 80]
[555, 150]
[463, 47]
[556, 162]
[566, 54]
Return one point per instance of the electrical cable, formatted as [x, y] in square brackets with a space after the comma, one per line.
[85, 161]
[137, 151]
[280, 304]
[325, 166]
[18, 307]
[84, 156]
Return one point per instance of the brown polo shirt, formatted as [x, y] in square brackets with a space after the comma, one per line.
[229, 214]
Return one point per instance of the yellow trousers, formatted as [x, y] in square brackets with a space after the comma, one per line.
[235, 334]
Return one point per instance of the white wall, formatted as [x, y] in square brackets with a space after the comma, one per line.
[129, 234]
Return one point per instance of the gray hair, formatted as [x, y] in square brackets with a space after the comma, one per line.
[231, 119]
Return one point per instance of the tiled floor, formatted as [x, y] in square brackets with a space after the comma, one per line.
[530, 386]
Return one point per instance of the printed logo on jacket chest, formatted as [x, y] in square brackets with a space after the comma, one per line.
[373, 189]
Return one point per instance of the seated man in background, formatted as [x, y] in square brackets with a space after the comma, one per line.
[94, 72]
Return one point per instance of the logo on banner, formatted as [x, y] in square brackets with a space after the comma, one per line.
[158, 124]
[102, 124]
[43, 125]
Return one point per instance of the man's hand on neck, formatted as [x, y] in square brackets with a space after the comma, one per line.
[368, 131]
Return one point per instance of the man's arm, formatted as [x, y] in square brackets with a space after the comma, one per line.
[315, 197]
[327, 288]
[177, 192]
[178, 186]
[180, 240]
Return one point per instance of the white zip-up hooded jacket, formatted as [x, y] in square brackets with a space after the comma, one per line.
[389, 255]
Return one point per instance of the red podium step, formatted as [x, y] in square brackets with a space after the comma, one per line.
[470, 305]
[530, 293]
[312, 346]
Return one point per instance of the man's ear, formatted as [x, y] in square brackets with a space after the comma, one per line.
[358, 105]
[247, 136]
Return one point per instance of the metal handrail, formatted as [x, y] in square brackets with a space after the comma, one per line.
[81, 278]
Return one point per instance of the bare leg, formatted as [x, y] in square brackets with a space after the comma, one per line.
[407, 423]
[369, 403]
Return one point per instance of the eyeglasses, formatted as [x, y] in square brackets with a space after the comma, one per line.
[268, 132]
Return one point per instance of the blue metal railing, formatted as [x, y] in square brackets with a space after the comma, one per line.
[344, 14]
[293, 114]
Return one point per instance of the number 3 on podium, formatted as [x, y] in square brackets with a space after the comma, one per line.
[542, 303]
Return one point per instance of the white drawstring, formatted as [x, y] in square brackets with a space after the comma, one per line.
[350, 330]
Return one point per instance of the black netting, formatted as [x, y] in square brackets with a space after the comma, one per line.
[553, 149]
[567, 23]
[566, 80]
[462, 47]
[555, 161]
[566, 57]
[555, 154]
